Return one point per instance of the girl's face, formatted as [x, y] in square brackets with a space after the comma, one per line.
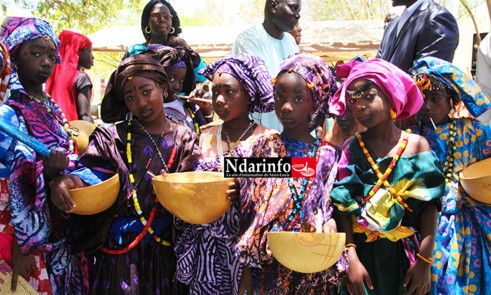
[292, 100]
[230, 99]
[372, 107]
[160, 21]
[35, 61]
[144, 98]
[176, 83]
[85, 58]
[436, 106]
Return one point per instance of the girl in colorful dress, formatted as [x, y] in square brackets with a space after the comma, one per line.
[132, 240]
[40, 229]
[69, 85]
[178, 63]
[205, 252]
[390, 219]
[302, 90]
[463, 246]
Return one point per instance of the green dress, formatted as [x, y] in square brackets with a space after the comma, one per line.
[385, 233]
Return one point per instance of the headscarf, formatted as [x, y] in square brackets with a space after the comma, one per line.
[178, 57]
[460, 85]
[18, 30]
[252, 73]
[319, 79]
[5, 70]
[60, 84]
[113, 107]
[399, 88]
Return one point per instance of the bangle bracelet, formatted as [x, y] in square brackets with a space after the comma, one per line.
[210, 116]
[348, 246]
[428, 260]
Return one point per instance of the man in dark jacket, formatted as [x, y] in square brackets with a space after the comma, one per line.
[425, 28]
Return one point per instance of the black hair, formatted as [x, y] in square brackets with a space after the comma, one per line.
[176, 23]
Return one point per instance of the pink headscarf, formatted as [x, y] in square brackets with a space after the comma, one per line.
[60, 84]
[399, 88]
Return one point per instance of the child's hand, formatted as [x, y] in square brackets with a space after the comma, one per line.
[233, 191]
[60, 191]
[246, 281]
[163, 172]
[418, 278]
[54, 164]
[200, 93]
[357, 275]
[330, 226]
[21, 265]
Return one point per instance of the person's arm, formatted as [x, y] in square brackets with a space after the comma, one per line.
[418, 276]
[246, 281]
[83, 104]
[21, 264]
[357, 274]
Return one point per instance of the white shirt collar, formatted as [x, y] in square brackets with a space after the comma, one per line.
[413, 7]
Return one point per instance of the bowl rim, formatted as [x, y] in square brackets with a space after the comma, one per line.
[461, 173]
[95, 185]
[158, 178]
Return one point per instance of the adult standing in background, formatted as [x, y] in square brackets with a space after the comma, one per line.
[160, 24]
[483, 72]
[425, 28]
[297, 33]
[269, 42]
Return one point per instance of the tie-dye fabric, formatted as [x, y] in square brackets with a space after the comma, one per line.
[266, 204]
[457, 81]
[463, 239]
[383, 230]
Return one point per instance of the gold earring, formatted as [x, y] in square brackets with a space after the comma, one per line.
[172, 30]
[393, 113]
[147, 30]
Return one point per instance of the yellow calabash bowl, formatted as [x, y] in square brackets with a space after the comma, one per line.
[96, 198]
[306, 252]
[476, 180]
[195, 197]
[81, 131]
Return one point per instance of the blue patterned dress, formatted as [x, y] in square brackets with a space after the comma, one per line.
[463, 241]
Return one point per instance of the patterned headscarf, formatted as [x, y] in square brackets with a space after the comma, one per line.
[252, 73]
[5, 70]
[460, 85]
[113, 107]
[178, 57]
[60, 84]
[18, 30]
[319, 79]
[399, 88]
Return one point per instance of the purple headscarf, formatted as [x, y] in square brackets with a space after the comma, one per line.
[319, 79]
[252, 73]
[18, 30]
[399, 88]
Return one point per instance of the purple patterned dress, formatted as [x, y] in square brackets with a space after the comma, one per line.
[266, 204]
[149, 267]
[39, 226]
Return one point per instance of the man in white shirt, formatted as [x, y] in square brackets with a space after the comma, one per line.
[269, 42]
[483, 72]
[425, 28]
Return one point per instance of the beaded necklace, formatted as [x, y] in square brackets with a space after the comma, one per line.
[134, 196]
[383, 178]
[195, 120]
[231, 147]
[299, 198]
[63, 121]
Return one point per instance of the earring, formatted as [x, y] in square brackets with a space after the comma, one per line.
[393, 113]
[166, 94]
[147, 30]
[172, 30]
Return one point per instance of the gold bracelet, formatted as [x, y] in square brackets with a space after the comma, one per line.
[349, 245]
[427, 260]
